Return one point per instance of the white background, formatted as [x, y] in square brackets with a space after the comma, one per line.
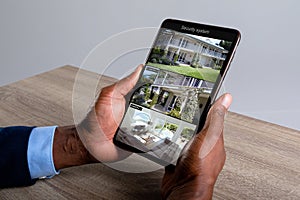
[38, 36]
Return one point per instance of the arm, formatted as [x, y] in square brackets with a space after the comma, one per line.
[92, 140]
[27, 154]
[198, 167]
[14, 169]
[68, 150]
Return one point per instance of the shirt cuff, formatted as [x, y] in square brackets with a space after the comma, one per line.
[39, 152]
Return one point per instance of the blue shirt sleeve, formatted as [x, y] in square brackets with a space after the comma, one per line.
[39, 152]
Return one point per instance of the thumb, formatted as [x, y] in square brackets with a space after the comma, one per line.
[124, 85]
[215, 124]
[204, 141]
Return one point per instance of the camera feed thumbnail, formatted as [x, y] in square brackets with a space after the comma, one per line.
[171, 94]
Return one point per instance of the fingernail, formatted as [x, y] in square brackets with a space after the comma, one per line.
[226, 101]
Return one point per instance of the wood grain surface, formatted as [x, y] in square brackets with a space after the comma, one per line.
[263, 159]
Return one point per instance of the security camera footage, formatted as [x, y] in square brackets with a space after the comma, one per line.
[170, 96]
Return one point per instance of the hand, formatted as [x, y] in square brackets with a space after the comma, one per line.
[201, 161]
[97, 130]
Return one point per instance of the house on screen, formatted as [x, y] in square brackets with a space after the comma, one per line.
[186, 49]
[171, 91]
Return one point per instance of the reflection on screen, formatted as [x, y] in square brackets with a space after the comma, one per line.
[172, 92]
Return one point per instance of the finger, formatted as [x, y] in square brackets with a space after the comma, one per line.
[126, 84]
[214, 130]
[217, 112]
[213, 126]
[120, 89]
[224, 100]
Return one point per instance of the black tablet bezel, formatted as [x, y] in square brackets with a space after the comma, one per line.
[204, 30]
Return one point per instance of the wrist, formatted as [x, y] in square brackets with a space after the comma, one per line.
[191, 191]
[205, 192]
[68, 149]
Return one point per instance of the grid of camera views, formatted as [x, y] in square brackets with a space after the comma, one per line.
[173, 90]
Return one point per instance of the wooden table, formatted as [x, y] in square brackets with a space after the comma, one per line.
[263, 159]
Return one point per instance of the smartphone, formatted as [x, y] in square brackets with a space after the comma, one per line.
[178, 84]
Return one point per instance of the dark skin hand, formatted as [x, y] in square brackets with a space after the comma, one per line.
[92, 141]
[201, 161]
